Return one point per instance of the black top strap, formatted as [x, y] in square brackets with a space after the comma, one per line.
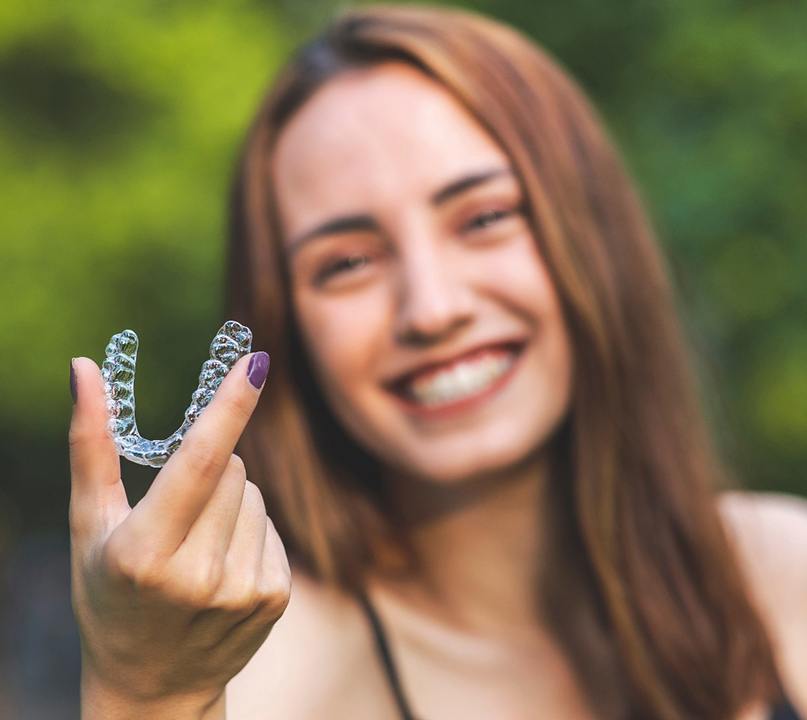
[389, 664]
[784, 710]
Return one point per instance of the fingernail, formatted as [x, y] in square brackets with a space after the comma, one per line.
[72, 381]
[258, 368]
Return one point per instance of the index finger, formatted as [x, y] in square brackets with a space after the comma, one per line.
[187, 481]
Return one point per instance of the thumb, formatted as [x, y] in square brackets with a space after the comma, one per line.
[97, 492]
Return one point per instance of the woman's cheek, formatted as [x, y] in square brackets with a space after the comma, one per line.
[343, 334]
[518, 271]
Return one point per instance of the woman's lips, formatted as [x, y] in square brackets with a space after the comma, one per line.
[461, 384]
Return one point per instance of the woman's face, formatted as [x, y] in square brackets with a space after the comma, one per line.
[422, 300]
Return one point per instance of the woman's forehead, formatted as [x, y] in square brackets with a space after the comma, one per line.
[376, 134]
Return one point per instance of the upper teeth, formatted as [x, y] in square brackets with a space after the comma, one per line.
[462, 379]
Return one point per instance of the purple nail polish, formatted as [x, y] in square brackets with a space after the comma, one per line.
[258, 368]
[73, 382]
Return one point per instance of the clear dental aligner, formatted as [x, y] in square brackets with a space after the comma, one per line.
[231, 342]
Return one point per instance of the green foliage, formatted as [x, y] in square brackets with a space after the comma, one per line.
[119, 126]
[120, 123]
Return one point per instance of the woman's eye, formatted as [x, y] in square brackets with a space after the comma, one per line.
[486, 219]
[341, 265]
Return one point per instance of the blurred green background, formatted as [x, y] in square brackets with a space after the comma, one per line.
[119, 126]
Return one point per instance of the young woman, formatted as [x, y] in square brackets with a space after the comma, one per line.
[481, 444]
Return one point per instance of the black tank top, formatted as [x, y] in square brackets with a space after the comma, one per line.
[782, 711]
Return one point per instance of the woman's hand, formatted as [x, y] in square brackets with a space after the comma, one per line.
[172, 597]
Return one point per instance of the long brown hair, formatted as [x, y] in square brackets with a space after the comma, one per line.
[642, 590]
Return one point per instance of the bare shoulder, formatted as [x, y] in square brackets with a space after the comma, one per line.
[769, 534]
[316, 662]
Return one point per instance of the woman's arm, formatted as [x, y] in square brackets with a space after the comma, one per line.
[100, 703]
[174, 596]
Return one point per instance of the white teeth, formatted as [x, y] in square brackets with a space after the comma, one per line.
[463, 379]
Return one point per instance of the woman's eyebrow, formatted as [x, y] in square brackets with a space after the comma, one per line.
[466, 182]
[350, 223]
[345, 224]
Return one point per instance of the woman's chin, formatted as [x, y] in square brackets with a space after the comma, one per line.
[470, 469]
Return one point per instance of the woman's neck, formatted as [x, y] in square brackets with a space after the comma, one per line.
[478, 543]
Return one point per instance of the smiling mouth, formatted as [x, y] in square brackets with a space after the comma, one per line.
[460, 384]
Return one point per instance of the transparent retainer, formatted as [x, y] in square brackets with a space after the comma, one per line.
[231, 342]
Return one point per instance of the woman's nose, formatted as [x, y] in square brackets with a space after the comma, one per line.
[433, 300]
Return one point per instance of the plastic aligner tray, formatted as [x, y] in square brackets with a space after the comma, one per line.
[231, 342]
